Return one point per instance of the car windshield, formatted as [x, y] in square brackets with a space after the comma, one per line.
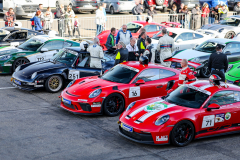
[208, 47]
[188, 96]
[32, 44]
[230, 21]
[133, 27]
[159, 35]
[2, 36]
[65, 56]
[120, 74]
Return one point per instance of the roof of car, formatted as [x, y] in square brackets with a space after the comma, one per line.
[14, 28]
[235, 16]
[221, 40]
[145, 23]
[77, 49]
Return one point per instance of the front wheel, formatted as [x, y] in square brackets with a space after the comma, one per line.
[182, 133]
[92, 12]
[54, 83]
[113, 105]
[205, 72]
[230, 35]
[19, 62]
[111, 10]
[157, 57]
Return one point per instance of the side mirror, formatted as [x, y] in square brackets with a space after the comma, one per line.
[213, 106]
[140, 81]
[179, 40]
[196, 46]
[169, 91]
[228, 53]
[44, 50]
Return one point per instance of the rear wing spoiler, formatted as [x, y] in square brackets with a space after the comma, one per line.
[192, 64]
[172, 24]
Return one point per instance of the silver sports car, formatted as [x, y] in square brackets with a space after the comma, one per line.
[226, 28]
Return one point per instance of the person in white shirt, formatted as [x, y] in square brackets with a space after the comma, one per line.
[48, 19]
[96, 53]
[100, 20]
[69, 19]
[133, 50]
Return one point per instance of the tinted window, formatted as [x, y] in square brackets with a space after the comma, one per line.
[132, 27]
[208, 47]
[222, 98]
[185, 36]
[149, 75]
[18, 35]
[53, 45]
[67, 44]
[32, 44]
[159, 35]
[197, 36]
[66, 56]
[150, 28]
[230, 21]
[165, 73]
[232, 47]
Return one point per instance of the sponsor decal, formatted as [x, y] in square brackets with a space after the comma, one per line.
[96, 104]
[155, 106]
[134, 92]
[161, 138]
[219, 117]
[208, 121]
[82, 100]
[227, 116]
[126, 127]
[7, 64]
[21, 54]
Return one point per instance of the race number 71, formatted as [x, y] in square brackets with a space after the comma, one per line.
[208, 121]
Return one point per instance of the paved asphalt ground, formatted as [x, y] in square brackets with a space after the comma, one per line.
[32, 126]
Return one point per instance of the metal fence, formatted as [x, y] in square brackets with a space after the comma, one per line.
[88, 27]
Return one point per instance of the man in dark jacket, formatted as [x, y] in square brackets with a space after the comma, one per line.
[141, 43]
[196, 12]
[139, 10]
[110, 41]
[122, 53]
[218, 63]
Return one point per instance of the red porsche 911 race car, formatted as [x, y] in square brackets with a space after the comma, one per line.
[135, 26]
[112, 92]
[192, 111]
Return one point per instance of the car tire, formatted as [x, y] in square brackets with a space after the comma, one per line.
[19, 62]
[230, 35]
[157, 57]
[54, 83]
[92, 12]
[57, 5]
[204, 71]
[182, 133]
[110, 107]
[111, 10]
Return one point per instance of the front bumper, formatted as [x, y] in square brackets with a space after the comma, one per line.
[85, 9]
[5, 69]
[232, 80]
[25, 85]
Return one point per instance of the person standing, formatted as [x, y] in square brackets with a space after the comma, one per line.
[205, 14]
[37, 21]
[40, 8]
[76, 26]
[237, 8]
[186, 74]
[133, 50]
[48, 19]
[184, 21]
[110, 44]
[149, 51]
[223, 12]
[139, 9]
[213, 14]
[124, 35]
[122, 53]
[61, 15]
[9, 18]
[96, 53]
[99, 19]
[141, 43]
[69, 19]
[151, 12]
[195, 16]
[105, 16]
[173, 14]
[218, 63]
[165, 47]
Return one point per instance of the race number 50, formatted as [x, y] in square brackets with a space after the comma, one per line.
[134, 92]
[73, 74]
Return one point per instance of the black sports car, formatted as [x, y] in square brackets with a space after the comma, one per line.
[69, 64]
[12, 36]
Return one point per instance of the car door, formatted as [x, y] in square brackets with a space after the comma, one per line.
[197, 39]
[183, 41]
[151, 88]
[234, 49]
[151, 29]
[218, 120]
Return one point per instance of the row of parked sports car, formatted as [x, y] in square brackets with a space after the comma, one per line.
[157, 111]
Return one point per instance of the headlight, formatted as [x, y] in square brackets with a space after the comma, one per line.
[70, 84]
[162, 120]
[130, 106]
[17, 69]
[196, 60]
[229, 68]
[34, 75]
[220, 30]
[95, 93]
[6, 57]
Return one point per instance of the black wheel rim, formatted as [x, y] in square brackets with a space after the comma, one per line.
[20, 62]
[230, 35]
[114, 104]
[183, 134]
[206, 72]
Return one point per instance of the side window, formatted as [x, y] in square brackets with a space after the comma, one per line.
[67, 44]
[53, 45]
[159, 28]
[236, 96]
[165, 73]
[232, 47]
[197, 36]
[13, 36]
[151, 28]
[222, 98]
[185, 36]
[149, 75]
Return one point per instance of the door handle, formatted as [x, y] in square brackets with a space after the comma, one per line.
[160, 86]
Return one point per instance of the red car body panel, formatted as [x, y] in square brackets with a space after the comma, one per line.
[177, 113]
[79, 92]
[193, 64]
[104, 35]
[153, 3]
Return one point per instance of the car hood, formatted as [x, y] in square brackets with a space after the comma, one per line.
[149, 111]
[216, 27]
[189, 54]
[86, 86]
[10, 50]
[234, 72]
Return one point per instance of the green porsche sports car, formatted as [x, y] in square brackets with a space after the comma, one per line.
[233, 74]
[37, 48]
